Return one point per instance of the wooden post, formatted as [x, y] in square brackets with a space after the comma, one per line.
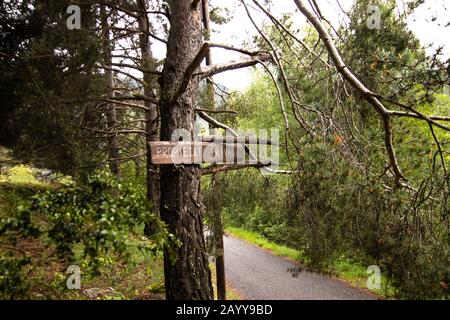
[220, 258]
[220, 261]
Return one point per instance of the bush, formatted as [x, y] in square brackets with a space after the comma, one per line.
[405, 232]
[102, 216]
[331, 210]
[12, 279]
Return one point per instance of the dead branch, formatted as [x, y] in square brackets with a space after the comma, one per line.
[118, 100]
[218, 124]
[213, 169]
[131, 66]
[232, 48]
[282, 26]
[232, 65]
[215, 111]
[114, 132]
[122, 72]
[245, 140]
[356, 83]
[191, 69]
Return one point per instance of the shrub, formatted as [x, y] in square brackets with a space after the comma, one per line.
[102, 216]
[12, 279]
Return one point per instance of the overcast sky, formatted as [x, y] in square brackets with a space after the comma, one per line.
[428, 23]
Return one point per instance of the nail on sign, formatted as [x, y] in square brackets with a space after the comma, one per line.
[196, 152]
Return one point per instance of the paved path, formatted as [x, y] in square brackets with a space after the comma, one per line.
[257, 274]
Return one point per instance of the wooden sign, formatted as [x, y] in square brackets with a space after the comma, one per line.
[196, 152]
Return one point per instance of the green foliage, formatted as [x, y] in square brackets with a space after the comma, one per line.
[245, 202]
[338, 208]
[101, 216]
[50, 82]
[342, 204]
[12, 278]
[405, 233]
[220, 15]
[20, 174]
[258, 239]
[329, 211]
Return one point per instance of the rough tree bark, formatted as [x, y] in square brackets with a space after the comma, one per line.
[151, 114]
[181, 205]
[111, 114]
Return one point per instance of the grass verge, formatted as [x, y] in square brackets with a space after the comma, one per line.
[343, 268]
[276, 249]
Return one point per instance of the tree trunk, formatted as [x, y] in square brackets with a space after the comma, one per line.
[111, 115]
[151, 114]
[181, 206]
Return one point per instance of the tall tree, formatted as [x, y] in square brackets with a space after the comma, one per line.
[111, 115]
[181, 205]
[151, 113]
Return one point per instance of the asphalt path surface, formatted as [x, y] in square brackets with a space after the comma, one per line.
[259, 275]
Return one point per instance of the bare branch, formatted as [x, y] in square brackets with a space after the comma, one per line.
[246, 140]
[138, 96]
[218, 124]
[438, 144]
[213, 169]
[232, 48]
[282, 26]
[131, 66]
[115, 132]
[117, 100]
[150, 34]
[416, 116]
[356, 83]
[215, 111]
[233, 65]
[122, 72]
[191, 69]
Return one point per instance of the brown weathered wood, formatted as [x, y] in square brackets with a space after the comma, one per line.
[186, 267]
[231, 139]
[180, 152]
